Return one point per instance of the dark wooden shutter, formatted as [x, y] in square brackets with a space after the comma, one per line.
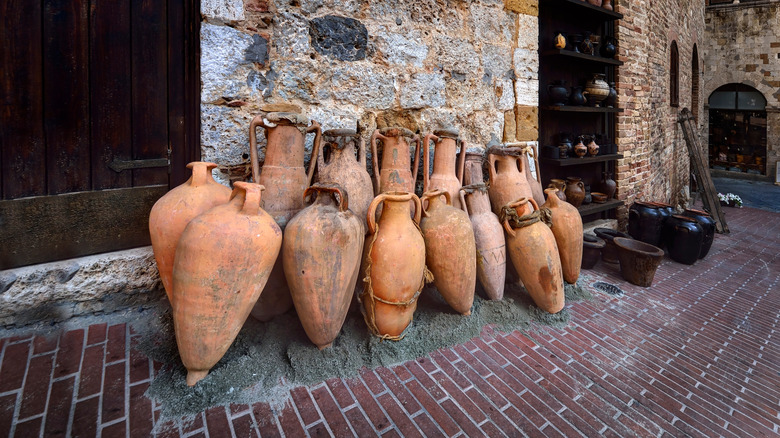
[94, 92]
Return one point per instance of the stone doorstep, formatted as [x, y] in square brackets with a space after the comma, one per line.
[59, 290]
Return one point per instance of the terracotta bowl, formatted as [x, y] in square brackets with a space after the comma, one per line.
[598, 197]
[638, 260]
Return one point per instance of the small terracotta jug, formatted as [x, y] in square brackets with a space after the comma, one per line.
[567, 229]
[575, 191]
[337, 163]
[321, 254]
[508, 182]
[445, 175]
[285, 177]
[561, 186]
[534, 253]
[607, 4]
[580, 149]
[608, 185]
[593, 148]
[395, 269]
[489, 239]
[396, 172]
[223, 260]
[171, 213]
[450, 250]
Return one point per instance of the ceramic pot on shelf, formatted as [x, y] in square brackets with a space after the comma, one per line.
[567, 229]
[608, 185]
[507, 172]
[561, 186]
[395, 265]
[597, 89]
[608, 47]
[611, 99]
[593, 148]
[558, 92]
[559, 41]
[574, 42]
[342, 161]
[586, 46]
[448, 165]
[707, 224]
[575, 191]
[171, 214]
[284, 176]
[450, 250]
[223, 260]
[607, 4]
[577, 96]
[489, 240]
[580, 150]
[534, 254]
[321, 254]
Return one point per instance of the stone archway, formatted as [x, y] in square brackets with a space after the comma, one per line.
[738, 129]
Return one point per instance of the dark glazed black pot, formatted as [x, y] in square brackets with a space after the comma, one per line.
[609, 252]
[591, 250]
[559, 94]
[638, 261]
[707, 224]
[645, 222]
[666, 211]
[684, 238]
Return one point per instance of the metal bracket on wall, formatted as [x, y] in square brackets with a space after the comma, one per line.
[120, 165]
[702, 171]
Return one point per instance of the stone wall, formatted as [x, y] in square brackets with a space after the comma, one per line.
[419, 64]
[656, 163]
[742, 45]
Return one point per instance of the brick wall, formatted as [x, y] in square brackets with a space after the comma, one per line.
[656, 164]
[743, 46]
[419, 64]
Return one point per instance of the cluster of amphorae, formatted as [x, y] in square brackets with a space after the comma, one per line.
[259, 249]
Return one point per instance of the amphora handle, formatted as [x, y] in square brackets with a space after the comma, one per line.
[339, 195]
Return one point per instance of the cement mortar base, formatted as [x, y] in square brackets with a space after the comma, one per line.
[57, 291]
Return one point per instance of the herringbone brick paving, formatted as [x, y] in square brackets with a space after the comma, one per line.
[696, 354]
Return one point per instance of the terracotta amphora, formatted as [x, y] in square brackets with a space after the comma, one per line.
[321, 256]
[508, 182]
[560, 185]
[223, 261]
[567, 229]
[395, 266]
[534, 253]
[444, 176]
[489, 238]
[575, 191]
[285, 177]
[171, 213]
[396, 172]
[534, 182]
[472, 168]
[337, 163]
[450, 250]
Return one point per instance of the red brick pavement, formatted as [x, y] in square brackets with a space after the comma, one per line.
[696, 354]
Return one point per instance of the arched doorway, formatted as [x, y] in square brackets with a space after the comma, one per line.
[737, 115]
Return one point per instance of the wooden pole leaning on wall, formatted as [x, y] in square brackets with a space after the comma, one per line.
[701, 171]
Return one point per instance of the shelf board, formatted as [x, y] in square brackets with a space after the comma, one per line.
[563, 162]
[604, 13]
[583, 56]
[581, 109]
[594, 207]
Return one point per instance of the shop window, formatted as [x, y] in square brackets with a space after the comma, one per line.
[737, 140]
[674, 75]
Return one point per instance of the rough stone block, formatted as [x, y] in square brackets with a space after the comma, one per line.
[469, 94]
[300, 79]
[528, 32]
[455, 54]
[510, 127]
[423, 90]
[405, 48]
[223, 65]
[335, 117]
[497, 61]
[225, 135]
[505, 94]
[480, 127]
[341, 38]
[256, 5]
[526, 63]
[527, 122]
[226, 10]
[492, 24]
[291, 35]
[363, 85]
[527, 7]
[527, 92]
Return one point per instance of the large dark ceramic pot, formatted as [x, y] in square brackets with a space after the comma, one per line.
[591, 250]
[684, 238]
[638, 260]
[645, 222]
[609, 252]
[707, 224]
[666, 211]
[559, 94]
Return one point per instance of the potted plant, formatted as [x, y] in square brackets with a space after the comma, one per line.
[730, 200]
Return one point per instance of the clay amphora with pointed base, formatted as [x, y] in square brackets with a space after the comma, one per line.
[534, 253]
[445, 175]
[337, 163]
[396, 172]
[489, 239]
[171, 214]
[472, 171]
[508, 182]
[450, 250]
[567, 229]
[223, 260]
[284, 176]
[395, 268]
[530, 159]
[321, 255]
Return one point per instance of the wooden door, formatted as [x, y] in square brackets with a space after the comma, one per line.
[100, 114]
